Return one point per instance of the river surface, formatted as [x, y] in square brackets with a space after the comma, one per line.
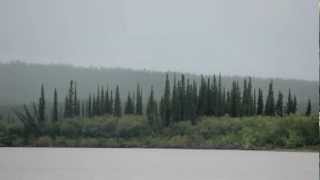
[154, 164]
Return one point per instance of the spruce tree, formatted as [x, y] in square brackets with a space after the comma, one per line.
[129, 107]
[139, 101]
[107, 102]
[175, 102]
[89, 111]
[102, 103]
[42, 106]
[111, 103]
[152, 111]
[260, 102]
[201, 109]
[279, 107]
[289, 103]
[309, 109]
[244, 109]
[294, 105]
[166, 105]
[194, 101]
[235, 107]
[269, 109]
[94, 105]
[55, 106]
[219, 106]
[254, 103]
[117, 103]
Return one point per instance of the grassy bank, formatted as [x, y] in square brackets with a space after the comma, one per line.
[292, 132]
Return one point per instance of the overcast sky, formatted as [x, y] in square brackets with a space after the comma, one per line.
[264, 38]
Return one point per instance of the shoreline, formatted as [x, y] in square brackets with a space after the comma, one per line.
[175, 147]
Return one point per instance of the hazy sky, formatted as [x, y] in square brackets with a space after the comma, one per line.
[265, 38]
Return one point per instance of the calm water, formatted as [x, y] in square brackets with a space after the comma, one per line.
[158, 164]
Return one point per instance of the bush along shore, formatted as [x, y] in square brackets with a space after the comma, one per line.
[186, 116]
[262, 133]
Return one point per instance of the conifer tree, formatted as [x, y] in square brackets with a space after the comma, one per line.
[55, 106]
[165, 104]
[309, 109]
[269, 109]
[89, 111]
[260, 102]
[94, 105]
[194, 101]
[294, 105]
[111, 103]
[152, 111]
[182, 98]
[139, 109]
[202, 98]
[254, 103]
[117, 103]
[244, 109]
[279, 107]
[251, 103]
[235, 100]
[102, 103]
[175, 102]
[107, 102]
[213, 98]
[129, 107]
[220, 95]
[42, 107]
[289, 103]
[209, 109]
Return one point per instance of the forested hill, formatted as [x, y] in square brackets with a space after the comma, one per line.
[20, 82]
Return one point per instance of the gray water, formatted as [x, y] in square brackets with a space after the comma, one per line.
[154, 164]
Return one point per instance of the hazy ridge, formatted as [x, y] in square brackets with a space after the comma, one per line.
[20, 82]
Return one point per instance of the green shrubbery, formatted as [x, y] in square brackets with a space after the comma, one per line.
[246, 132]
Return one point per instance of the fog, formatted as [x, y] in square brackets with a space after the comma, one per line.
[274, 38]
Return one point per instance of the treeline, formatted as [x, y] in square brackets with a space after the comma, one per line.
[182, 100]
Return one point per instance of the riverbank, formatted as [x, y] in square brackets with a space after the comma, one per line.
[297, 133]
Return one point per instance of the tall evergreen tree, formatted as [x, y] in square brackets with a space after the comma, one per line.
[269, 109]
[42, 106]
[111, 103]
[117, 103]
[309, 109]
[182, 98]
[89, 111]
[175, 102]
[166, 105]
[152, 111]
[289, 103]
[279, 107]
[129, 107]
[194, 101]
[235, 108]
[107, 102]
[201, 109]
[55, 106]
[254, 102]
[260, 102]
[139, 109]
[295, 104]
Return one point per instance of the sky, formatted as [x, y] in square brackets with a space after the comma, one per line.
[263, 38]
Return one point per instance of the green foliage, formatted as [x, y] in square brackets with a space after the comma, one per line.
[107, 131]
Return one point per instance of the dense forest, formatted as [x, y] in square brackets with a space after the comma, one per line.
[188, 113]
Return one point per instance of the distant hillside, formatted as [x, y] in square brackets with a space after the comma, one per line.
[20, 82]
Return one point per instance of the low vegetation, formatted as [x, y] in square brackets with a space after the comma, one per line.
[259, 132]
